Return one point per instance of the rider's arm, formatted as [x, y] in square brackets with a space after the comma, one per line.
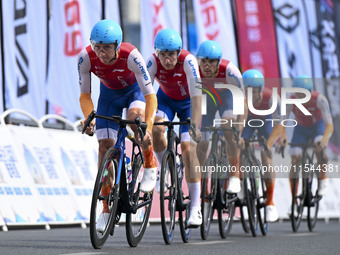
[278, 129]
[191, 70]
[84, 65]
[234, 77]
[323, 105]
[137, 65]
[152, 67]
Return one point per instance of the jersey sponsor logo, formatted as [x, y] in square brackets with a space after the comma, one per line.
[181, 88]
[140, 66]
[81, 60]
[177, 74]
[99, 67]
[149, 64]
[118, 70]
[193, 69]
[231, 75]
[122, 81]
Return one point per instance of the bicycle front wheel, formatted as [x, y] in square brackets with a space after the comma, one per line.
[101, 199]
[168, 196]
[184, 213]
[226, 202]
[262, 198]
[298, 200]
[208, 195]
[251, 201]
[137, 219]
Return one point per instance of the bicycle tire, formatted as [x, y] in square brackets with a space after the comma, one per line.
[208, 196]
[244, 221]
[226, 209]
[261, 200]
[313, 197]
[168, 197]
[251, 201]
[136, 222]
[184, 214]
[99, 239]
[298, 200]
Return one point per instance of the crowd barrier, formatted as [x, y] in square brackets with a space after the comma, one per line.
[47, 176]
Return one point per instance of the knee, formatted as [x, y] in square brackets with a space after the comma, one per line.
[157, 131]
[295, 159]
[104, 145]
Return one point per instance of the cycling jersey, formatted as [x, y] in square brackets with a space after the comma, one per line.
[180, 82]
[228, 73]
[118, 84]
[317, 106]
[176, 87]
[128, 68]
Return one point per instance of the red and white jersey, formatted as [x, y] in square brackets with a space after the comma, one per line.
[265, 104]
[180, 82]
[319, 108]
[228, 72]
[128, 69]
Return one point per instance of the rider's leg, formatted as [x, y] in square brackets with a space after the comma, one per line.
[193, 178]
[322, 162]
[233, 153]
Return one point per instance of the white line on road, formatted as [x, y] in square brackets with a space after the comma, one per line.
[83, 253]
[302, 234]
[211, 242]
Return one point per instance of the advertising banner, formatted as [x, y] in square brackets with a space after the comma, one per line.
[214, 21]
[256, 37]
[25, 54]
[293, 38]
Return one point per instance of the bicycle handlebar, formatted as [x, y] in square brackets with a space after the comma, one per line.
[140, 125]
[191, 124]
[235, 130]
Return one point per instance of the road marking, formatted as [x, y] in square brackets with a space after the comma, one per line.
[211, 242]
[302, 234]
[83, 253]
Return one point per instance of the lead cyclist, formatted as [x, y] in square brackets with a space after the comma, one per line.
[124, 83]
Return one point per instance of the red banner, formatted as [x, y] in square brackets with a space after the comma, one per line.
[256, 37]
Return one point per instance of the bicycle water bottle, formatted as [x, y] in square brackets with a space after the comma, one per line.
[129, 169]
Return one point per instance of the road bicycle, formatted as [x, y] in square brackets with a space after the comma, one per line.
[214, 184]
[125, 195]
[254, 189]
[305, 195]
[172, 197]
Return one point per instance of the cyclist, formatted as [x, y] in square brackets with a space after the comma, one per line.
[124, 83]
[318, 126]
[213, 68]
[262, 100]
[177, 73]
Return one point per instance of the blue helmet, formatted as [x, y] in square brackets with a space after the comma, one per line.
[303, 81]
[209, 50]
[106, 32]
[168, 40]
[253, 78]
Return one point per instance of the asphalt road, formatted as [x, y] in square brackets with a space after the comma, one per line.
[75, 241]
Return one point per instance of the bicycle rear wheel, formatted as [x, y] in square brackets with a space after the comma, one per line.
[251, 201]
[298, 200]
[184, 213]
[105, 176]
[137, 220]
[208, 195]
[168, 196]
